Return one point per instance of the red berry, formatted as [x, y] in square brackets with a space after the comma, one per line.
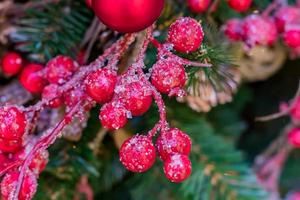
[138, 16]
[100, 85]
[292, 38]
[258, 30]
[10, 181]
[137, 153]
[240, 5]
[137, 98]
[40, 161]
[12, 123]
[73, 97]
[186, 35]
[198, 6]
[113, 116]
[286, 15]
[233, 29]
[10, 146]
[11, 63]
[295, 111]
[32, 80]
[177, 168]
[52, 94]
[294, 137]
[60, 69]
[173, 141]
[168, 74]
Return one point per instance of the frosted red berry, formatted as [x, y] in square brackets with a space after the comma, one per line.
[12, 123]
[258, 30]
[27, 189]
[137, 98]
[72, 97]
[52, 94]
[239, 5]
[286, 15]
[11, 63]
[100, 85]
[186, 35]
[10, 146]
[177, 168]
[295, 110]
[292, 38]
[294, 137]
[113, 116]
[39, 162]
[168, 74]
[198, 6]
[60, 69]
[31, 78]
[137, 153]
[173, 141]
[233, 29]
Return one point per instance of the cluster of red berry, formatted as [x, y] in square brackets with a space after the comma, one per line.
[262, 29]
[63, 82]
[199, 6]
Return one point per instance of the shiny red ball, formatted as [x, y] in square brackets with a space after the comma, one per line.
[294, 137]
[286, 15]
[10, 146]
[168, 74]
[32, 80]
[258, 30]
[60, 69]
[52, 94]
[11, 63]
[177, 168]
[72, 97]
[28, 187]
[186, 35]
[292, 38]
[137, 154]
[233, 29]
[173, 141]
[137, 98]
[12, 123]
[101, 84]
[113, 116]
[127, 16]
[198, 6]
[240, 5]
[39, 162]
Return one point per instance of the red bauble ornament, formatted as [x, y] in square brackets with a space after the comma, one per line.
[173, 141]
[186, 35]
[292, 38]
[113, 116]
[40, 161]
[240, 5]
[10, 146]
[28, 187]
[60, 69]
[32, 80]
[233, 29]
[258, 30]
[168, 74]
[52, 94]
[137, 154]
[12, 123]
[137, 98]
[286, 15]
[295, 111]
[294, 137]
[127, 16]
[100, 85]
[177, 168]
[72, 97]
[198, 6]
[11, 63]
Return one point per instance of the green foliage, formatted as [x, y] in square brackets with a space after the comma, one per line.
[58, 28]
